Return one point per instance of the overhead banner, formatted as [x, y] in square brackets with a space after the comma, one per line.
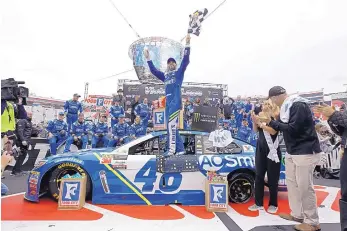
[204, 118]
[154, 91]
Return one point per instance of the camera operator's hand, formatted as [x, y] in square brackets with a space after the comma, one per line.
[50, 135]
[24, 143]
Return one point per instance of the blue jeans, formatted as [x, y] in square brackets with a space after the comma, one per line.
[95, 140]
[70, 141]
[54, 142]
[4, 189]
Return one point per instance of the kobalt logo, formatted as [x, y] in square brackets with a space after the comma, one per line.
[215, 163]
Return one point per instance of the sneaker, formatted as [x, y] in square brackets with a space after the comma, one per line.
[272, 209]
[255, 208]
[13, 174]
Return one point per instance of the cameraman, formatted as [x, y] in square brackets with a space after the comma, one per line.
[9, 113]
[24, 131]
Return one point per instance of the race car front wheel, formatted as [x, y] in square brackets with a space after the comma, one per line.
[62, 170]
[241, 188]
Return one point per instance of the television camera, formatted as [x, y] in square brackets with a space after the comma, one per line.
[11, 91]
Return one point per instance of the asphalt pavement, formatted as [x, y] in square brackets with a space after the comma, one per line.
[17, 184]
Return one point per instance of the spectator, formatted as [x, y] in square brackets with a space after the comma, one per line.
[338, 123]
[257, 106]
[133, 106]
[197, 102]
[303, 154]
[24, 131]
[120, 98]
[227, 108]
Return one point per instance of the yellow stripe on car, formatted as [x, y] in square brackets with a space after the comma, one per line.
[124, 181]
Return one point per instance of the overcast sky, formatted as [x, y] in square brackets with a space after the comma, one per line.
[58, 45]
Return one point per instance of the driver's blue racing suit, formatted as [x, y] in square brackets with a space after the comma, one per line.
[173, 82]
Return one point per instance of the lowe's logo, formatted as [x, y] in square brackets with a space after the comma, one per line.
[217, 162]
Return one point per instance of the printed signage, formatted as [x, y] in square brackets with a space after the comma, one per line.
[204, 118]
[216, 194]
[72, 193]
[159, 122]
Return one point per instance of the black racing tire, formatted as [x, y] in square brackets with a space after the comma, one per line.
[241, 188]
[62, 170]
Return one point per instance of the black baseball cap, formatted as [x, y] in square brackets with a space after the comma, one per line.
[276, 90]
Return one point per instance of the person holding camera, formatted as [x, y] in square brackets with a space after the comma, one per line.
[24, 131]
[57, 131]
[79, 133]
[100, 131]
[337, 121]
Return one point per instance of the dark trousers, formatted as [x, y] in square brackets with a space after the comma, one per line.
[133, 116]
[20, 160]
[343, 201]
[263, 165]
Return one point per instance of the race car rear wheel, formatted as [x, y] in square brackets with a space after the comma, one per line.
[62, 170]
[241, 188]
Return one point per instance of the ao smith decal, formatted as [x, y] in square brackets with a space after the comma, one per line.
[217, 162]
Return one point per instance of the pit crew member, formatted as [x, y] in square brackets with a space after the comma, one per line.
[71, 108]
[143, 110]
[100, 131]
[79, 133]
[244, 131]
[120, 133]
[136, 130]
[57, 132]
[115, 111]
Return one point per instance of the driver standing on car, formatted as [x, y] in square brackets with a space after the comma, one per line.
[120, 132]
[78, 133]
[100, 131]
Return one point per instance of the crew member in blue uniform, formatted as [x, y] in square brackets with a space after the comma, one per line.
[233, 125]
[244, 131]
[120, 133]
[143, 110]
[136, 130]
[115, 111]
[100, 132]
[238, 105]
[248, 106]
[72, 107]
[172, 79]
[57, 132]
[78, 132]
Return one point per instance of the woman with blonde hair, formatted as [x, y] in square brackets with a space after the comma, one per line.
[267, 158]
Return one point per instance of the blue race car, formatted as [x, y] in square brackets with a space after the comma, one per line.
[138, 173]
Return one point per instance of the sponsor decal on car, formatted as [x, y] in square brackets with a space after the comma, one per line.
[106, 159]
[104, 183]
[218, 162]
[33, 181]
[39, 164]
[69, 159]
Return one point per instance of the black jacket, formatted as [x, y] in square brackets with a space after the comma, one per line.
[299, 133]
[133, 106]
[24, 129]
[338, 124]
